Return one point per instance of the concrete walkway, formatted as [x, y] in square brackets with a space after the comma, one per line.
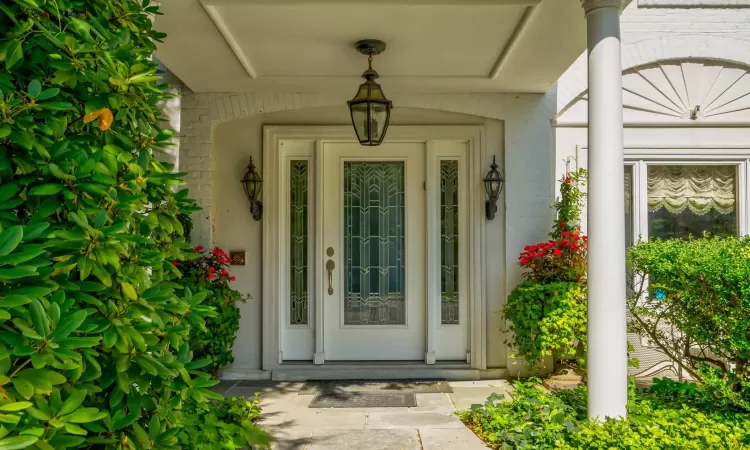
[432, 425]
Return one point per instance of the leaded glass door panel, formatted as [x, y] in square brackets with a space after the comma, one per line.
[373, 234]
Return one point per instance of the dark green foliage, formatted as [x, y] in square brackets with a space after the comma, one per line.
[209, 274]
[702, 288]
[94, 324]
[535, 419]
[547, 319]
[224, 424]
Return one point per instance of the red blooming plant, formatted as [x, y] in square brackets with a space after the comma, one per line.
[556, 260]
[210, 272]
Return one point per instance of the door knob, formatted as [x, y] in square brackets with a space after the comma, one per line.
[330, 265]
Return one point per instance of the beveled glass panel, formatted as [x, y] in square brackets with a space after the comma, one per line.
[449, 306]
[298, 243]
[374, 243]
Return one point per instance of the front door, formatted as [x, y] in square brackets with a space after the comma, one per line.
[374, 272]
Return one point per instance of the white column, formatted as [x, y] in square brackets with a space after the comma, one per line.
[607, 345]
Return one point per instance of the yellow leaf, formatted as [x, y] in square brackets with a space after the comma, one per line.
[90, 117]
[105, 120]
[129, 291]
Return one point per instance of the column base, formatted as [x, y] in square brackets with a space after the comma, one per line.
[429, 358]
[319, 358]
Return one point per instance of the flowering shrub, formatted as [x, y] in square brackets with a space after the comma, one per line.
[547, 312]
[562, 259]
[570, 205]
[210, 273]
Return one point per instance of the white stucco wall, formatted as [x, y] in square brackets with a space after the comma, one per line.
[220, 131]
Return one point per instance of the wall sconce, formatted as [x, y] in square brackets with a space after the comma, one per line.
[493, 183]
[253, 184]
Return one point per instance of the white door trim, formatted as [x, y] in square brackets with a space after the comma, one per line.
[273, 244]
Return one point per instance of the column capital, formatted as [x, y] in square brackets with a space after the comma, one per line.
[590, 5]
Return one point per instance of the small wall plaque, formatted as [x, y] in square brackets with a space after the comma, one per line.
[238, 258]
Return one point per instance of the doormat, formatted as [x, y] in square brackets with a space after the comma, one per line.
[363, 400]
[394, 386]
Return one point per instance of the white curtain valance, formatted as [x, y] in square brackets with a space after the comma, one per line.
[699, 188]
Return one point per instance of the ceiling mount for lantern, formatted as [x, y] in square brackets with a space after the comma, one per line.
[370, 47]
[370, 110]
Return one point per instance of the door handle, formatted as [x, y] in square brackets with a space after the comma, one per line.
[330, 265]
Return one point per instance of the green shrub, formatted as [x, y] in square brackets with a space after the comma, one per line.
[209, 274]
[94, 325]
[547, 319]
[700, 287]
[534, 419]
[224, 424]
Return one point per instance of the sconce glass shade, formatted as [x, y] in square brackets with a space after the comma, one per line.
[494, 181]
[252, 183]
[493, 184]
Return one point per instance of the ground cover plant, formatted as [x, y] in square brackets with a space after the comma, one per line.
[668, 416]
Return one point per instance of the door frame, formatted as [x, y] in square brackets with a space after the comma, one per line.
[274, 281]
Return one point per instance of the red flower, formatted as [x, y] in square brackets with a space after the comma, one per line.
[567, 180]
[198, 248]
[562, 224]
[233, 278]
[211, 270]
[557, 252]
[224, 273]
[211, 276]
[174, 263]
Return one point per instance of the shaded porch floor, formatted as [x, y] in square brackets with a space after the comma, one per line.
[431, 425]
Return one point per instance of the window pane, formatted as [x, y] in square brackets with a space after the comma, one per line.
[691, 200]
[449, 242]
[298, 291]
[628, 206]
[374, 239]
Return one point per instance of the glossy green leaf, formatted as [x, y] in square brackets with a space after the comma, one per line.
[9, 239]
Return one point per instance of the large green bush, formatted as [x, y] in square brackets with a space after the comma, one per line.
[536, 419]
[696, 307]
[93, 335]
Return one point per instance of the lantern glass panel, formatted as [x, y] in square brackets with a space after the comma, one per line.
[359, 119]
[378, 120]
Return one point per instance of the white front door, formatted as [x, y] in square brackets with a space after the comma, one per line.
[374, 271]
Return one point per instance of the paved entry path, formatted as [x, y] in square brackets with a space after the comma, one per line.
[431, 425]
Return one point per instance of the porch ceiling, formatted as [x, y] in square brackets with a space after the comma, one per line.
[433, 45]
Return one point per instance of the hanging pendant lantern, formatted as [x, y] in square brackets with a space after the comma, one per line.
[370, 110]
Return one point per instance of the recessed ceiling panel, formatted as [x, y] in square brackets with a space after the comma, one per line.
[316, 40]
